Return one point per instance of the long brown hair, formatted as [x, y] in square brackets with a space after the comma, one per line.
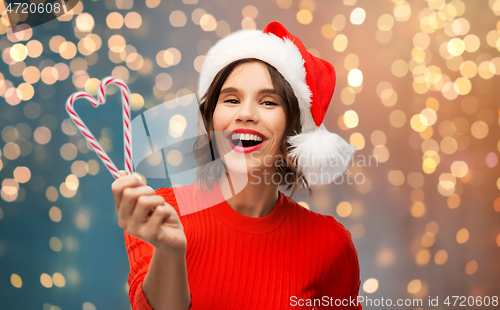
[209, 169]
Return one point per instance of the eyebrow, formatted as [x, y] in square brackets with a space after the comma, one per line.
[269, 91]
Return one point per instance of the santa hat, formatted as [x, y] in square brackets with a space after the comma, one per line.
[319, 154]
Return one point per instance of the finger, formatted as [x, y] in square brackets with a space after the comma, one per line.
[119, 186]
[160, 215]
[129, 200]
[145, 205]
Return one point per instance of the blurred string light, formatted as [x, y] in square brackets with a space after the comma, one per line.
[429, 75]
[370, 285]
[358, 16]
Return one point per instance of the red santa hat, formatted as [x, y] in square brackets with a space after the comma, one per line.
[319, 154]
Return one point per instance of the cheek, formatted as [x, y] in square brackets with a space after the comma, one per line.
[279, 123]
[218, 119]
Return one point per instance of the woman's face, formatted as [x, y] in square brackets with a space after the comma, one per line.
[249, 120]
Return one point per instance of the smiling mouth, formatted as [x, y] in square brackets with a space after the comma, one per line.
[246, 140]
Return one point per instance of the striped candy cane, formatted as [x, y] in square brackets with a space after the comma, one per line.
[101, 97]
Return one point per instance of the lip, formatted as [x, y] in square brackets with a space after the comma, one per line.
[249, 149]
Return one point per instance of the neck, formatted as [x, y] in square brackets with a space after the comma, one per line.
[247, 196]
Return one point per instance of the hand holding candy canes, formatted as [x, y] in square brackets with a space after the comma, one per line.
[126, 122]
[142, 213]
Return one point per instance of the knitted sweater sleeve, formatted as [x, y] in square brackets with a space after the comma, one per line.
[342, 281]
[139, 256]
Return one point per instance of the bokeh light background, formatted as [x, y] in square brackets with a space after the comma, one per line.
[418, 86]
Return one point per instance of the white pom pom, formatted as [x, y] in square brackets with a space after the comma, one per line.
[321, 155]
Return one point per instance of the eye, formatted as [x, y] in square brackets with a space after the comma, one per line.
[269, 103]
[234, 101]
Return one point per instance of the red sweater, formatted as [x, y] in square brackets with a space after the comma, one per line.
[292, 258]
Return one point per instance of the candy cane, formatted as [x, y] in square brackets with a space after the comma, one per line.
[127, 138]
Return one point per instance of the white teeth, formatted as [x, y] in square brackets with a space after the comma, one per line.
[246, 137]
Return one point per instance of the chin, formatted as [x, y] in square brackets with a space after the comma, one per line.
[236, 163]
[238, 174]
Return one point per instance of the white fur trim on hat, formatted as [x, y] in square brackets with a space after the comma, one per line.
[321, 155]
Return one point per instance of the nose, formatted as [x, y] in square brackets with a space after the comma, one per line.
[247, 112]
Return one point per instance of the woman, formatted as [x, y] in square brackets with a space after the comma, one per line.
[233, 240]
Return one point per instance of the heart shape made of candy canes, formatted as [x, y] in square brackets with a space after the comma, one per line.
[101, 97]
